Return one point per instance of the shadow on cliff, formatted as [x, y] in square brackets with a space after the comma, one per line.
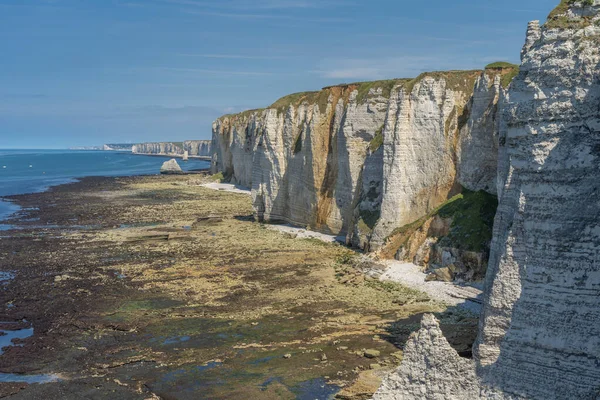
[546, 249]
[298, 201]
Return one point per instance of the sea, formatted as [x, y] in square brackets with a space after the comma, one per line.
[31, 171]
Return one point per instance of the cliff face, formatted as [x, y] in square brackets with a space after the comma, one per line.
[437, 136]
[546, 246]
[195, 148]
[117, 147]
[158, 148]
[362, 159]
[198, 148]
[540, 327]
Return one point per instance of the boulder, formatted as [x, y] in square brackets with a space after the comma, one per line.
[171, 167]
[443, 274]
[371, 353]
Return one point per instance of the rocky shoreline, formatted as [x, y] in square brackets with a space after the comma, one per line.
[156, 287]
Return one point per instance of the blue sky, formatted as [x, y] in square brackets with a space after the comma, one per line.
[87, 72]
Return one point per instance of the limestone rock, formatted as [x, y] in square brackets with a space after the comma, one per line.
[541, 308]
[363, 388]
[360, 160]
[539, 334]
[158, 148]
[420, 166]
[171, 167]
[431, 369]
[198, 148]
[443, 274]
[372, 353]
[195, 148]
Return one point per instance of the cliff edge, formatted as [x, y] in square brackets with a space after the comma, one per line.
[539, 332]
[360, 160]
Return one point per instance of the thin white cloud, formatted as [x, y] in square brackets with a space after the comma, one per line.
[216, 71]
[234, 56]
[392, 67]
[246, 9]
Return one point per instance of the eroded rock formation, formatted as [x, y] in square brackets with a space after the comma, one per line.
[540, 327]
[171, 167]
[360, 160]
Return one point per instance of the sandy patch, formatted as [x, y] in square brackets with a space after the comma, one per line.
[467, 296]
[226, 187]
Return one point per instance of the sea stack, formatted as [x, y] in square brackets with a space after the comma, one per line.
[171, 168]
[185, 155]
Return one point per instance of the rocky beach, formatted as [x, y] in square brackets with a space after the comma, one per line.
[434, 237]
[158, 287]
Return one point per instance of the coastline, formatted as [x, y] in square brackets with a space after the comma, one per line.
[203, 158]
[173, 278]
[8, 207]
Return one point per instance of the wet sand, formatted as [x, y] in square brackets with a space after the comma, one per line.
[155, 287]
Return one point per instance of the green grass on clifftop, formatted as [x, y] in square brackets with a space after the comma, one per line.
[386, 87]
[243, 114]
[456, 80]
[321, 98]
[501, 65]
[559, 19]
[508, 70]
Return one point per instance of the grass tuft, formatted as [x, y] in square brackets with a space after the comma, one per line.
[559, 19]
[507, 70]
[377, 140]
[472, 216]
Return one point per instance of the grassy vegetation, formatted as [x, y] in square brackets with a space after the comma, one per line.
[501, 65]
[369, 218]
[243, 114]
[456, 80]
[558, 19]
[472, 216]
[218, 177]
[320, 98]
[508, 71]
[377, 140]
[349, 263]
[386, 87]
[178, 144]
[507, 78]
[401, 294]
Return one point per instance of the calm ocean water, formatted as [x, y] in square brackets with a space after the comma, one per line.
[29, 171]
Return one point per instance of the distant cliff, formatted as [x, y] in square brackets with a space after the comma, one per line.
[159, 148]
[363, 160]
[117, 147]
[201, 148]
[195, 148]
[539, 335]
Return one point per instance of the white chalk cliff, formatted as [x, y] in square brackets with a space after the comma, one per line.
[195, 148]
[359, 160]
[539, 332]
